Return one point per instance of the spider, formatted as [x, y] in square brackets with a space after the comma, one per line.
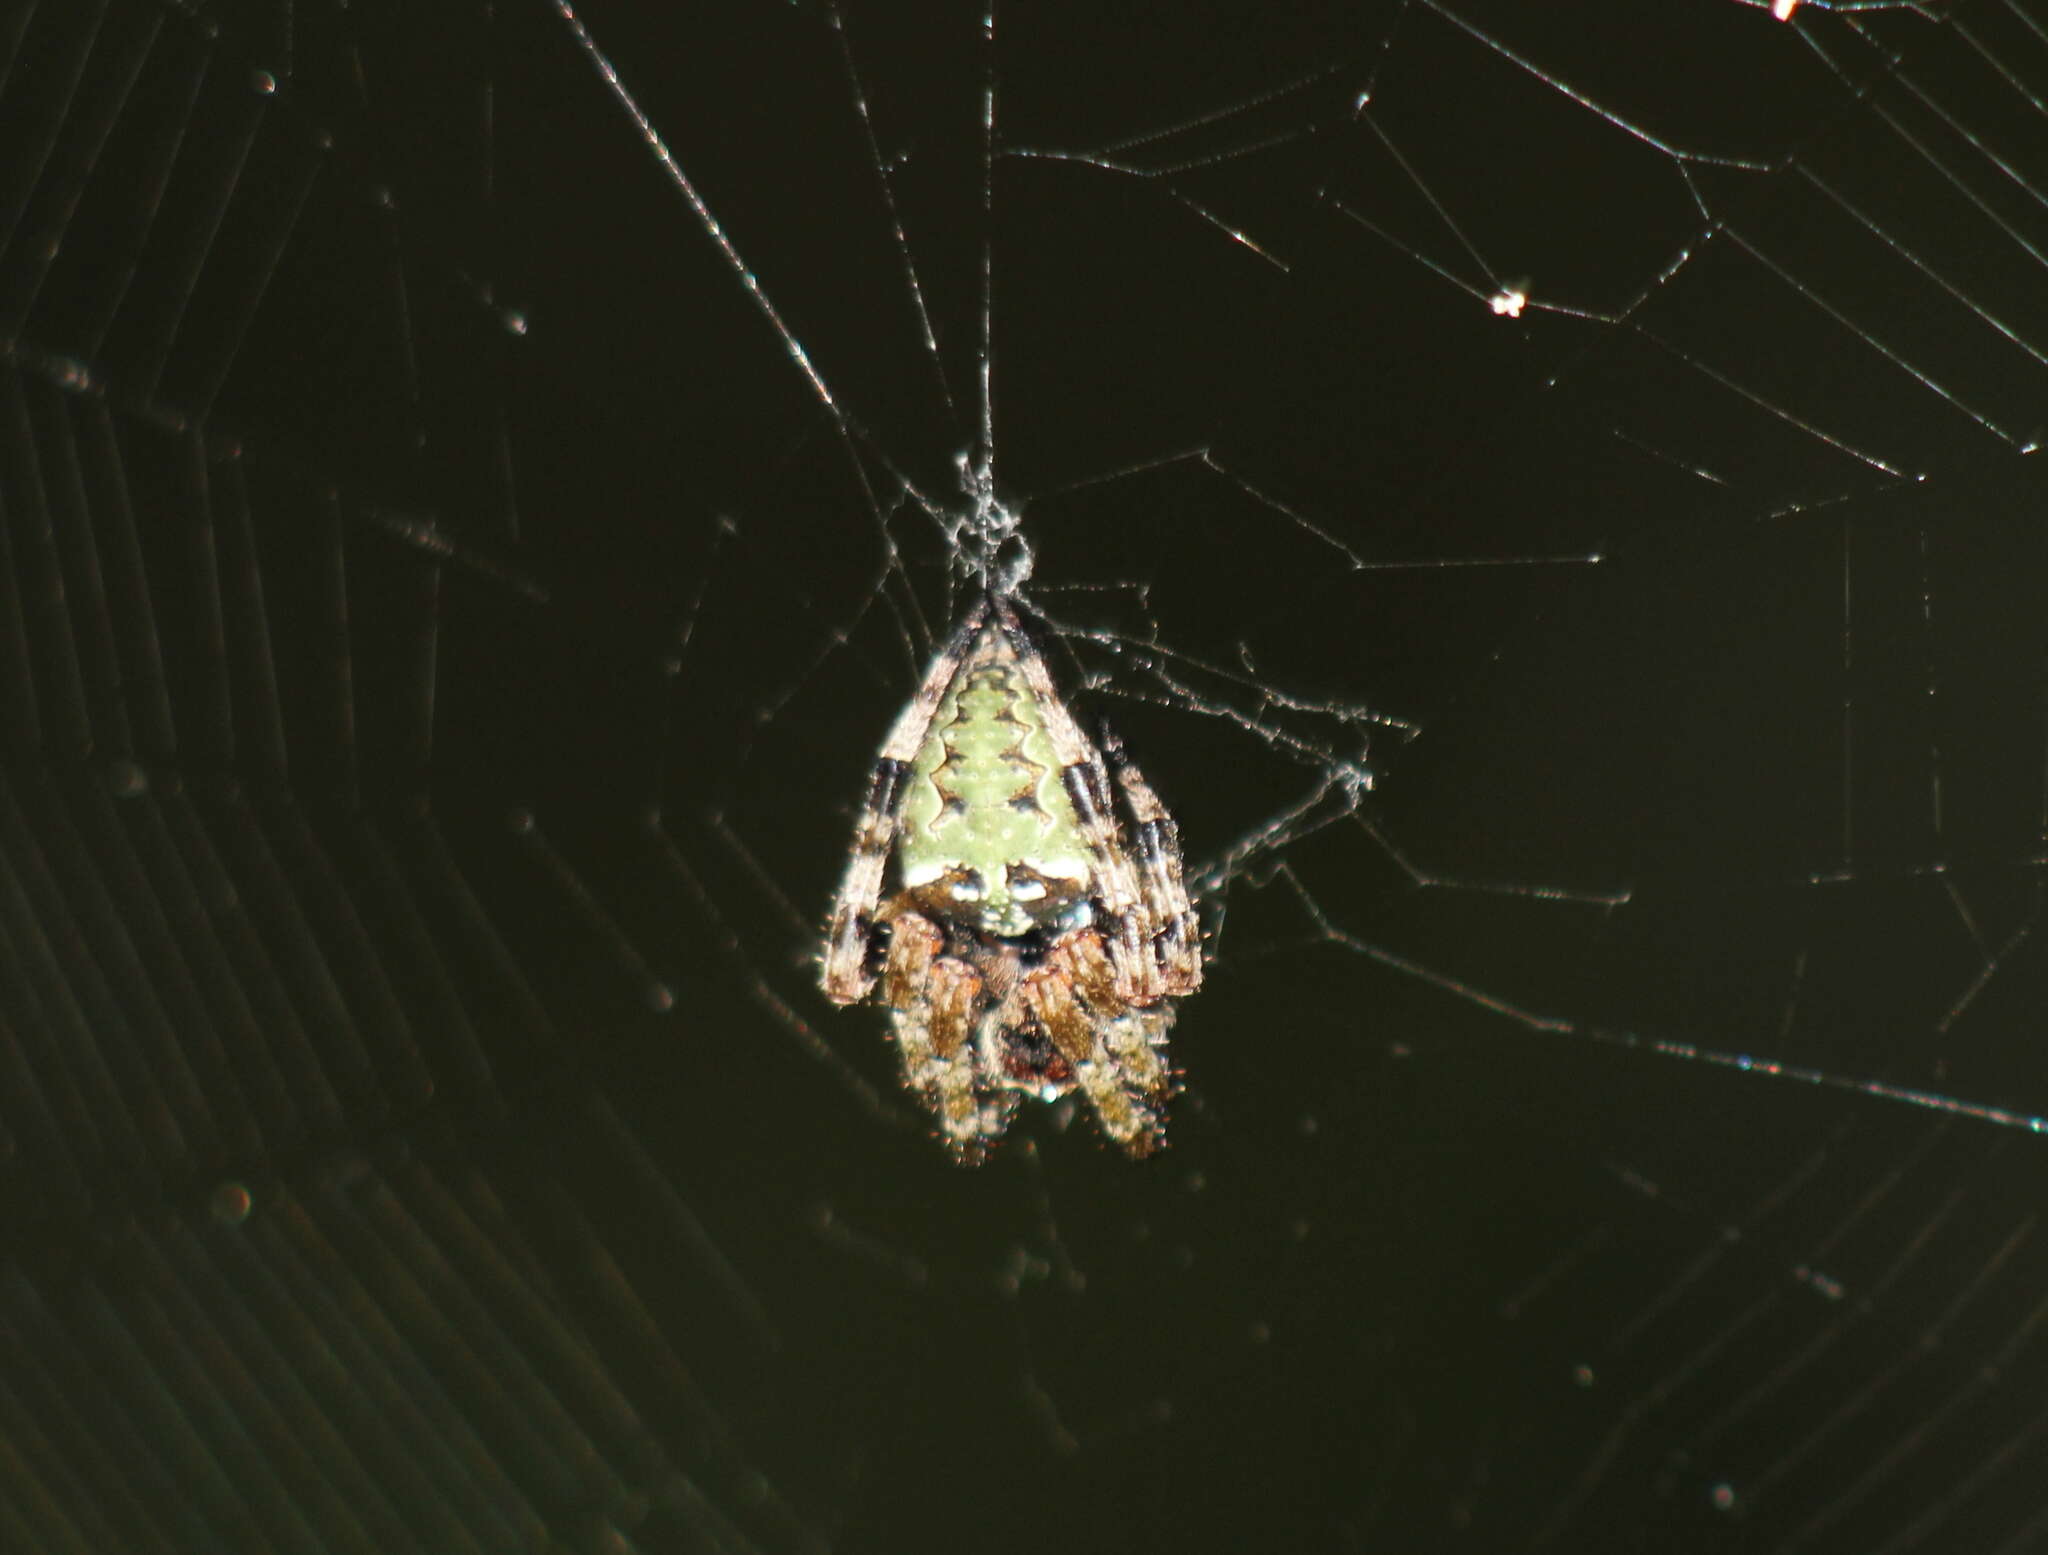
[1032, 940]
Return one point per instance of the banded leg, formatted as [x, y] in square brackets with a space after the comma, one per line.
[856, 909]
[1176, 926]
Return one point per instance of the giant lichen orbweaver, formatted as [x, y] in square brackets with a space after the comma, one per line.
[1015, 898]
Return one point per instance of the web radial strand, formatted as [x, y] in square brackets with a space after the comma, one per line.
[986, 370]
[885, 181]
[717, 233]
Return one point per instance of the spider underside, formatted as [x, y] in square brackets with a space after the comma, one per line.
[1036, 927]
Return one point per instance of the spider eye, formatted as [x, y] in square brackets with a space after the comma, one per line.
[966, 888]
[1026, 887]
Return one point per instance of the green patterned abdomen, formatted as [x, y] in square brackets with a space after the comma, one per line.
[987, 825]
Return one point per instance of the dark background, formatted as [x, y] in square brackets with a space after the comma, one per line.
[444, 636]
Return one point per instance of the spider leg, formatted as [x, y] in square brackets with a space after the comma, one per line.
[1176, 927]
[1137, 1041]
[1128, 1116]
[953, 996]
[849, 940]
[1135, 1038]
[936, 999]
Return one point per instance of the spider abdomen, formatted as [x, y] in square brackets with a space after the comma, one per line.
[986, 815]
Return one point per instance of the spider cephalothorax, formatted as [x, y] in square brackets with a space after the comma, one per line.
[1015, 900]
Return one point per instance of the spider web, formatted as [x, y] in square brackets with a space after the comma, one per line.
[1547, 496]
